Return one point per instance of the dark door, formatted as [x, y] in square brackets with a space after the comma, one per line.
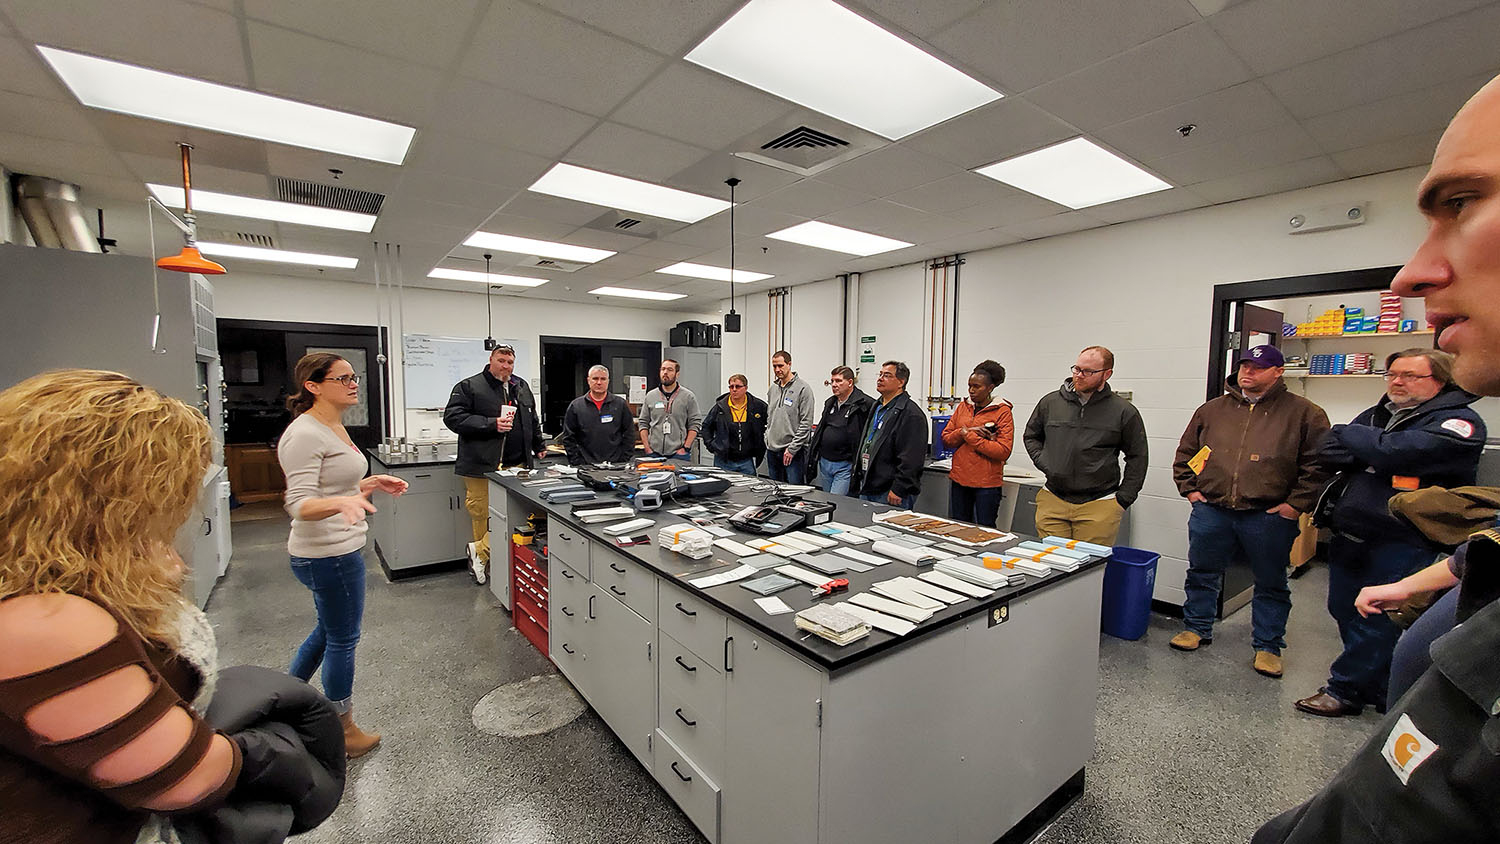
[366, 420]
[1253, 326]
[565, 366]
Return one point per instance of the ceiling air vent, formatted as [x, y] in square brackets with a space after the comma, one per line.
[646, 228]
[804, 136]
[553, 264]
[263, 241]
[628, 223]
[328, 196]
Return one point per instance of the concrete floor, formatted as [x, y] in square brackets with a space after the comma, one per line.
[1194, 742]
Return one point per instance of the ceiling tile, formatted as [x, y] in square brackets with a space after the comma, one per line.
[1221, 116]
[1393, 117]
[921, 19]
[1284, 177]
[102, 190]
[153, 139]
[701, 108]
[164, 35]
[883, 217]
[309, 69]
[474, 109]
[1455, 48]
[167, 170]
[58, 159]
[452, 190]
[666, 26]
[624, 151]
[955, 193]
[888, 170]
[1260, 34]
[434, 213]
[1071, 221]
[23, 71]
[995, 132]
[1151, 205]
[313, 166]
[1279, 145]
[556, 59]
[1410, 151]
[430, 32]
[708, 175]
[811, 198]
[1016, 206]
[972, 242]
[46, 118]
[553, 208]
[514, 224]
[471, 159]
[1170, 70]
[611, 240]
[1025, 43]
[666, 251]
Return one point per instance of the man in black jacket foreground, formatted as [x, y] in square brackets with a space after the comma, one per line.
[1431, 772]
[494, 415]
[1422, 434]
[892, 450]
[598, 427]
[830, 458]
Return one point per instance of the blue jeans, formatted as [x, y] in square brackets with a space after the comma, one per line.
[980, 505]
[656, 455]
[338, 587]
[1360, 674]
[1412, 656]
[1214, 535]
[793, 474]
[744, 467]
[835, 475]
[907, 502]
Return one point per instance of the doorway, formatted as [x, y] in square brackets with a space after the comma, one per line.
[565, 367]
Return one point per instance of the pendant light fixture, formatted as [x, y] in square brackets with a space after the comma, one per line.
[189, 260]
[489, 316]
[731, 319]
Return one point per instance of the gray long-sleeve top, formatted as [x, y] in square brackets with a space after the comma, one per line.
[667, 418]
[793, 409]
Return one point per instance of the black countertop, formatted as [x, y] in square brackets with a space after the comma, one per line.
[446, 455]
[740, 604]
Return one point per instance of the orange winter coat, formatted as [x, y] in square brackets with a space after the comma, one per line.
[979, 461]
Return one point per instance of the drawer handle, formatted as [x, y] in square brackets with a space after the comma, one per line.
[567, 612]
[564, 536]
[680, 774]
[424, 476]
[567, 574]
[566, 648]
[684, 719]
[684, 664]
[616, 568]
[615, 590]
[685, 610]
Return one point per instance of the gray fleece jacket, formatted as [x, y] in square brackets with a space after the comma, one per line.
[793, 409]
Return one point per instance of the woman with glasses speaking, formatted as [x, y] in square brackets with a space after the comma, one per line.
[328, 497]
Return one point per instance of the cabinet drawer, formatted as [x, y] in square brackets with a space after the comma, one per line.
[437, 479]
[571, 545]
[627, 581]
[688, 679]
[693, 791]
[693, 623]
[697, 728]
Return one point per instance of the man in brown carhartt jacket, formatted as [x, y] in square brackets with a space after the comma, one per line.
[1247, 463]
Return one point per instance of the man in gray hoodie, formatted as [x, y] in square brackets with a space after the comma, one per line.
[670, 419]
[789, 429]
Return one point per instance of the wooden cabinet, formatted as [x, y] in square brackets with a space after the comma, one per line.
[254, 473]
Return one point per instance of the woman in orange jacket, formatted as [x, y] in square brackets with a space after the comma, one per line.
[982, 432]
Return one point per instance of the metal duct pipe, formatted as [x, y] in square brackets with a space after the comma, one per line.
[52, 213]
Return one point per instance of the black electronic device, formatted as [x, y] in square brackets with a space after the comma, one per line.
[700, 333]
[732, 323]
[813, 512]
[767, 519]
[699, 486]
[601, 479]
[680, 335]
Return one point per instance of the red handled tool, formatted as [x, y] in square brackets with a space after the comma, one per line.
[838, 584]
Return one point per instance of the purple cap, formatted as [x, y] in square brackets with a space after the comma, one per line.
[1266, 355]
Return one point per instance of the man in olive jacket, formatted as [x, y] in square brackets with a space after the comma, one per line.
[490, 438]
[889, 460]
[1248, 463]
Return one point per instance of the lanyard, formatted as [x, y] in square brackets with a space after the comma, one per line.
[670, 398]
[876, 417]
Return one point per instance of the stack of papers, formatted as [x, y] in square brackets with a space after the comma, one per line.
[948, 581]
[918, 593]
[879, 620]
[1032, 546]
[1025, 565]
[604, 514]
[735, 548]
[972, 571]
[860, 556]
[1079, 545]
[1053, 560]
[801, 546]
[690, 541]
[900, 609]
[829, 622]
[905, 553]
[627, 527]
[812, 539]
[736, 573]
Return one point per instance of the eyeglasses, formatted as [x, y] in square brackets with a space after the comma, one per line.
[736, 386]
[510, 350]
[1404, 376]
[1077, 371]
[350, 380]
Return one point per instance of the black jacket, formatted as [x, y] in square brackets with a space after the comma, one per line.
[898, 452]
[472, 411]
[590, 439]
[1077, 445]
[848, 423]
[1438, 444]
[733, 440]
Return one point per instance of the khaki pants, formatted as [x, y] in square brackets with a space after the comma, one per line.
[477, 502]
[1094, 521]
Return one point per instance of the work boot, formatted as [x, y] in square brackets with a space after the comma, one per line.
[476, 564]
[1268, 663]
[1187, 640]
[1326, 705]
[357, 742]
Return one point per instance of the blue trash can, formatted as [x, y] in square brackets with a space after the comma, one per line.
[1129, 580]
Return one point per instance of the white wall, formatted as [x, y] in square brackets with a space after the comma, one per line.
[814, 330]
[440, 312]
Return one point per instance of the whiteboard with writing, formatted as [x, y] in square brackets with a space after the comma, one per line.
[434, 364]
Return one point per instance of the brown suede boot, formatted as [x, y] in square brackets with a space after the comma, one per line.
[357, 742]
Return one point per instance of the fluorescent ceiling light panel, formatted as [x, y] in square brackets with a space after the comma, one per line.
[265, 209]
[821, 55]
[632, 293]
[714, 273]
[128, 89]
[838, 239]
[1076, 173]
[539, 248]
[277, 256]
[611, 191]
[483, 278]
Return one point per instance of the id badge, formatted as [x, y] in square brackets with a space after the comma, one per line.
[864, 462]
[608, 417]
[787, 402]
[666, 427]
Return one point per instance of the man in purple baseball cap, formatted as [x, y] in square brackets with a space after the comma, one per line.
[1247, 462]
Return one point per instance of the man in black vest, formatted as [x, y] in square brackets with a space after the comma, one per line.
[494, 415]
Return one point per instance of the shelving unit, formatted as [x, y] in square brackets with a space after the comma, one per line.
[1369, 336]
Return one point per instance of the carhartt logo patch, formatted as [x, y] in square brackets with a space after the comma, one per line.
[1461, 427]
[1406, 748]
